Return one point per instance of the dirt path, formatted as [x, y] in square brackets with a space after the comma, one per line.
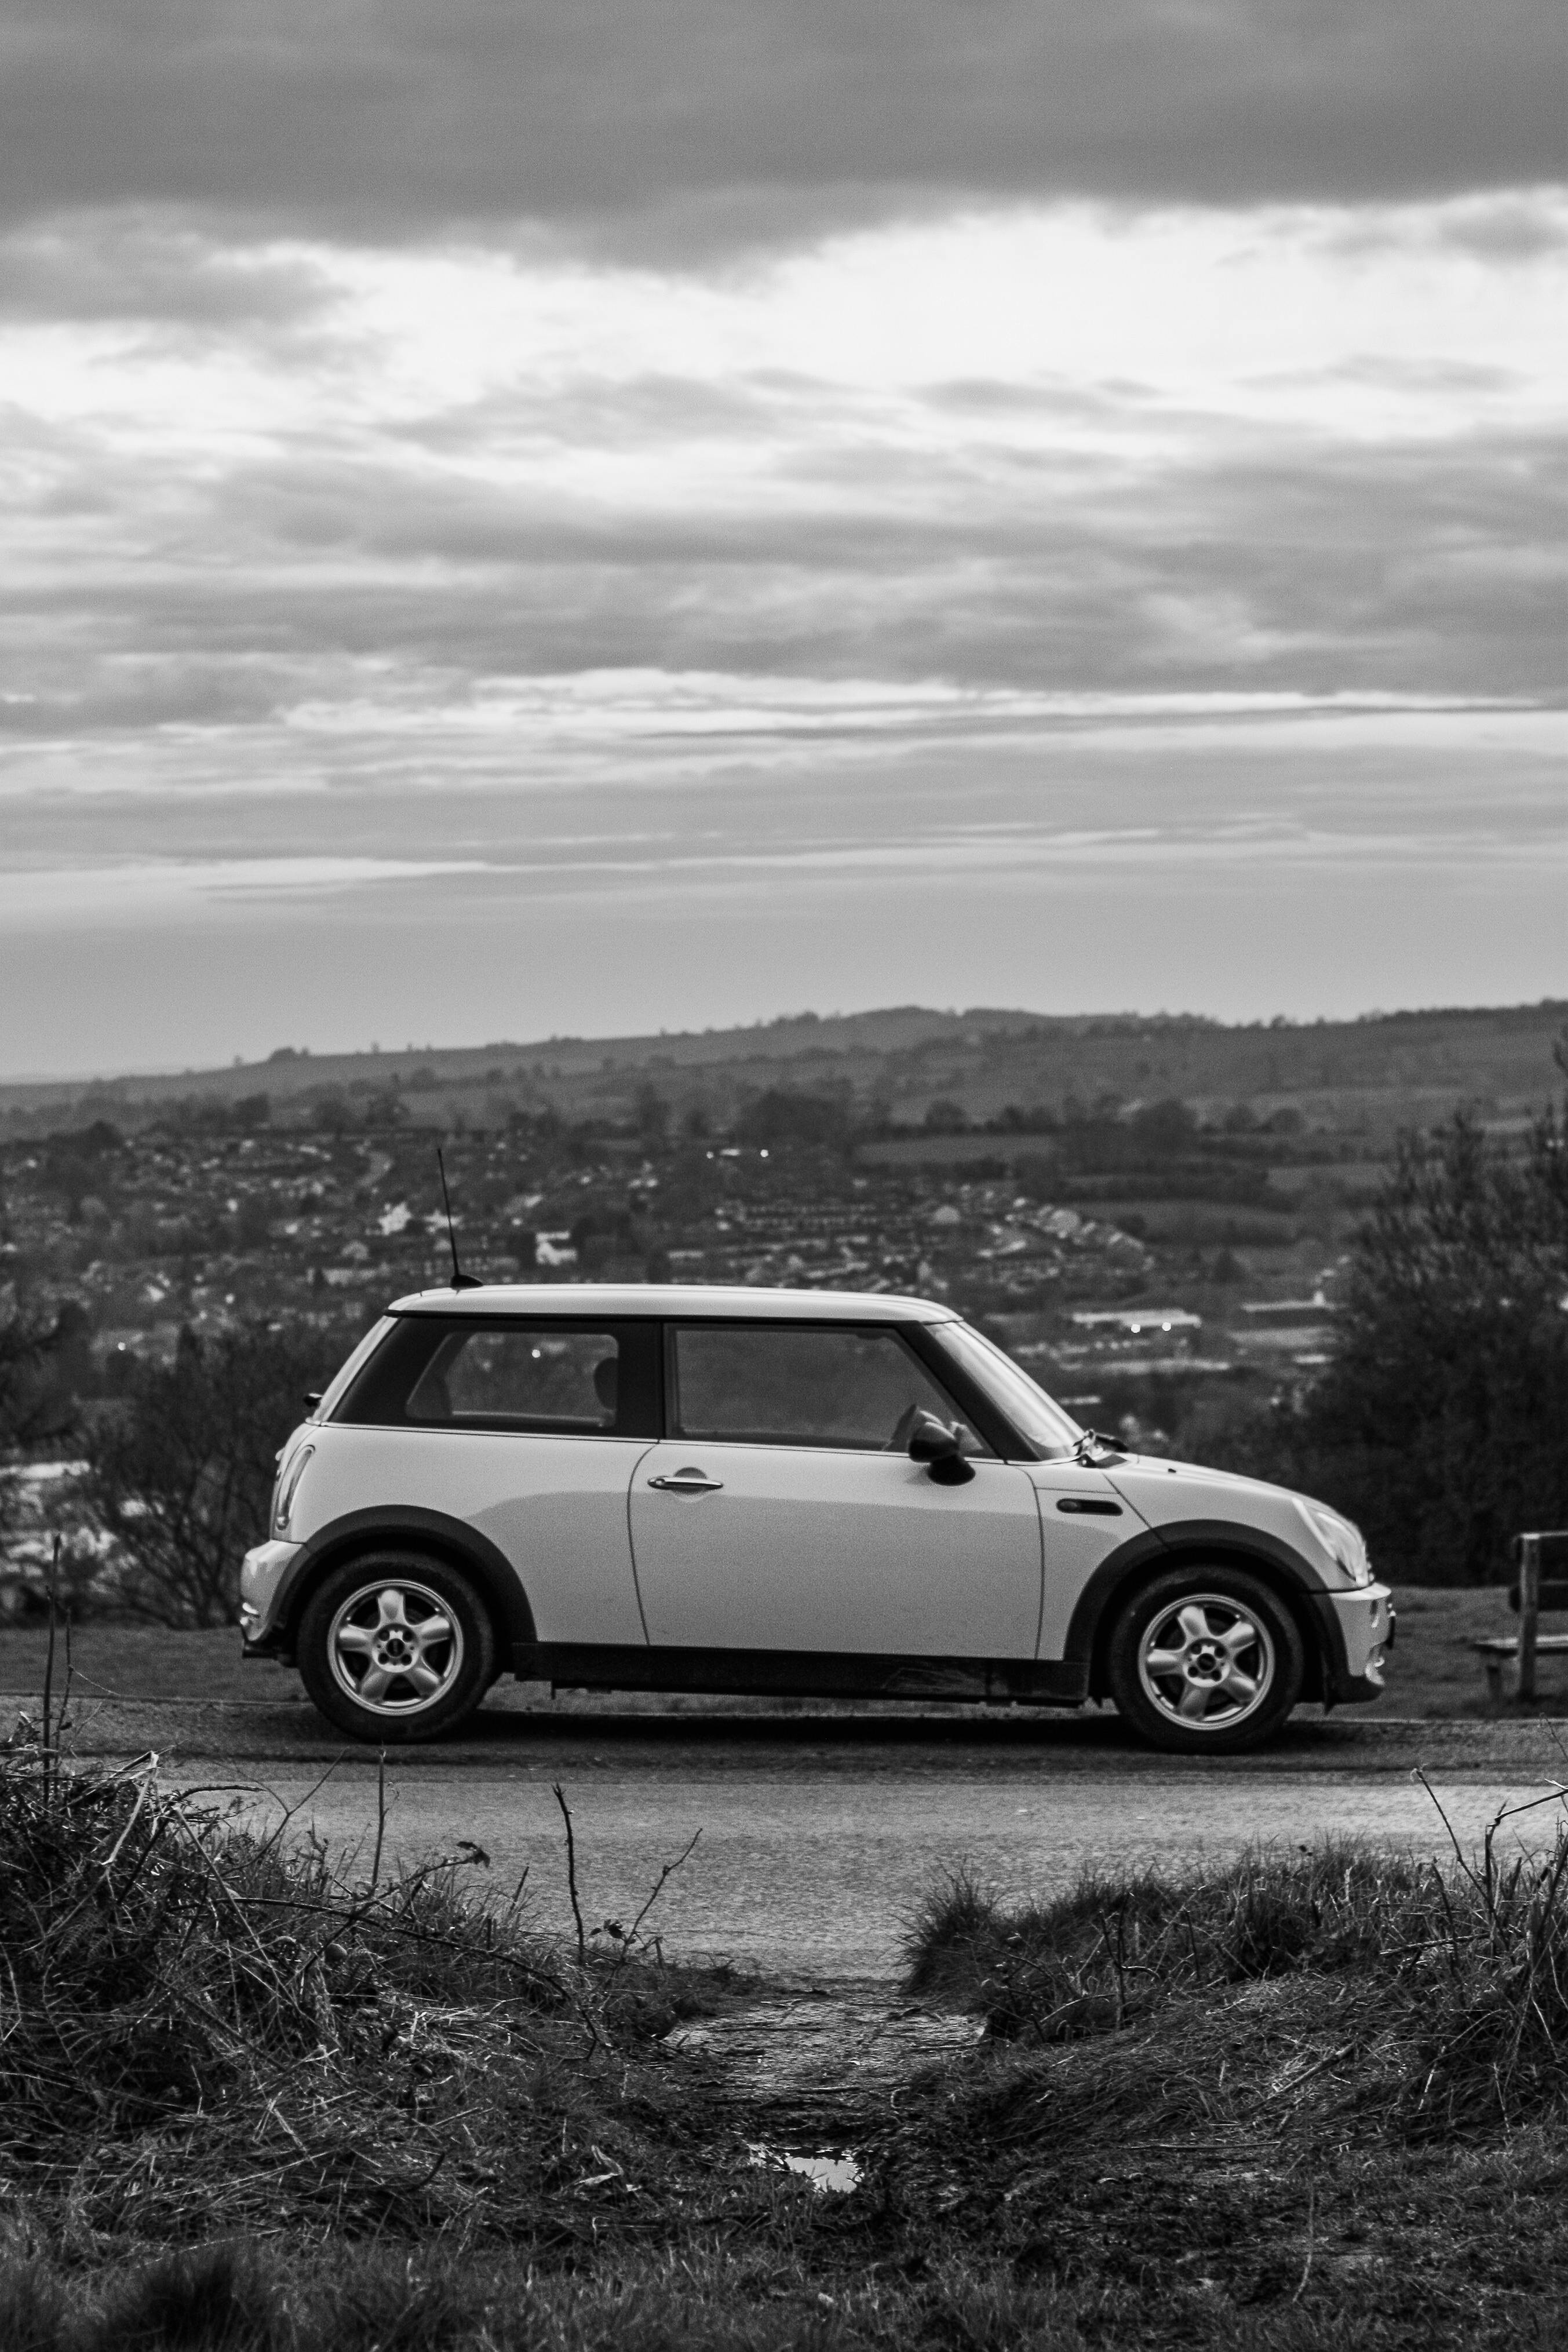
[811, 2069]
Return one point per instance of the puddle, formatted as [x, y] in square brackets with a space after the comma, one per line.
[834, 2174]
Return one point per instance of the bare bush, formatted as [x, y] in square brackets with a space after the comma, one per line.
[181, 1473]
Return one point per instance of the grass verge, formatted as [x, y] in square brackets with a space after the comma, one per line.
[246, 2107]
[1308, 2095]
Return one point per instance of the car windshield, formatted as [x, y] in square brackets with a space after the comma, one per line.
[1032, 1412]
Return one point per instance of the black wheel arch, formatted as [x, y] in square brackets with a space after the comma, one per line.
[1211, 1543]
[396, 1526]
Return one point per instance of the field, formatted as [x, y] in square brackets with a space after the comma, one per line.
[966, 1151]
[1435, 1671]
[246, 2106]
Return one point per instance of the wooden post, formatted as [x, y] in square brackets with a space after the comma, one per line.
[1529, 1611]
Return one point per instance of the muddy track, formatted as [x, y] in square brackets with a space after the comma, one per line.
[813, 2069]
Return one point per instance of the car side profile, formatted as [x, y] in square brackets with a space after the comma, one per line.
[660, 1489]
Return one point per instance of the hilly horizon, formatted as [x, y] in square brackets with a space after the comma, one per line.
[1379, 1070]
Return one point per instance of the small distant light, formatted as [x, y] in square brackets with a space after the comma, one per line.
[761, 1155]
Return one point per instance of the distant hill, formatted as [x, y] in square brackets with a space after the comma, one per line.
[1366, 1077]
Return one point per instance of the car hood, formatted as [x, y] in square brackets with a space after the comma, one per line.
[1158, 1465]
[1165, 1493]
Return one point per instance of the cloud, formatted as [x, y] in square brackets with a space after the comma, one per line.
[1187, 449]
[700, 122]
[137, 893]
[1513, 225]
[132, 266]
[1420, 566]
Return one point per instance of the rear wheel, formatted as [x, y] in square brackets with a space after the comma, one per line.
[395, 1647]
[1204, 1661]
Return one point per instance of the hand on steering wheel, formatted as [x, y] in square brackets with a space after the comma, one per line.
[903, 1429]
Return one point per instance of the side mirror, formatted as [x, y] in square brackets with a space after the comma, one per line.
[941, 1449]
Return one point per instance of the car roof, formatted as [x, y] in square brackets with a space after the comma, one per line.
[623, 1299]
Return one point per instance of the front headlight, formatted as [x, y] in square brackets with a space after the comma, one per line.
[1344, 1543]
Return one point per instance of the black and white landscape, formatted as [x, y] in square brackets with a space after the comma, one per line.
[897, 647]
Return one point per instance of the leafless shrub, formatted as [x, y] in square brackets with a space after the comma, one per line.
[180, 1474]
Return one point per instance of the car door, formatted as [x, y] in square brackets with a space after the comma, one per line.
[781, 1511]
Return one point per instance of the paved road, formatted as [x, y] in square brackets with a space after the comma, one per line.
[819, 1835]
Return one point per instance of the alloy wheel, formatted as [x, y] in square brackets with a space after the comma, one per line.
[396, 1648]
[1207, 1661]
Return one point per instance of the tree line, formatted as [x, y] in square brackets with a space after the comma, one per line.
[1440, 1423]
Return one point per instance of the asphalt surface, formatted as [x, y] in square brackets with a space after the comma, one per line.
[819, 1831]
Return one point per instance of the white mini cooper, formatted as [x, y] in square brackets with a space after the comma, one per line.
[684, 1489]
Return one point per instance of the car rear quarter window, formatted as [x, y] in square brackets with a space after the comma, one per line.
[525, 1377]
[348, 1373]
[794, 1384]
[577, 1379]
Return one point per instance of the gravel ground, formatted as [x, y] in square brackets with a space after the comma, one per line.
[807, 1866]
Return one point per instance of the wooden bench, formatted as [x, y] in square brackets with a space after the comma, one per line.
[1531, 1594]
[1499, 1647]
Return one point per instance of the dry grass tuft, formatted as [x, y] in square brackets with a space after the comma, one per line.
[1464, 1970]
[205, 2032]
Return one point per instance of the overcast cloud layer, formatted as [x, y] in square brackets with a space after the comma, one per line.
[690, 512]
[429, 110]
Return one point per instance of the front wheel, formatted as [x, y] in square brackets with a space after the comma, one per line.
[395, 1647]
[1204, 1661]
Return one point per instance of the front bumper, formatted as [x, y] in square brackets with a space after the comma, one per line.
[1362, 1623]
[261, 1578]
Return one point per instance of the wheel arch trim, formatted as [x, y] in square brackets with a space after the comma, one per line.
[451, 1539]
[1221, 1543]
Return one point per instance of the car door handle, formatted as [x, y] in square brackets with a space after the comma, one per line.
[1091, 1503]
[689, 1482]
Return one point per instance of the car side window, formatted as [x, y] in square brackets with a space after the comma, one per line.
[796, 1384]
[520, 1377]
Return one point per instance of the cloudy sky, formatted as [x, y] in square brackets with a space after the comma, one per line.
[565, 515]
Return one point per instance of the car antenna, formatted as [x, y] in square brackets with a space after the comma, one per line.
[460, 1281]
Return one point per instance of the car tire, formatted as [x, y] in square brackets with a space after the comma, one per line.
[1204, 1661]
[395, 1647]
